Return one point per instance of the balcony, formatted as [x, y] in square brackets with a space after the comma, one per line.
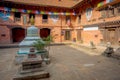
[106, 5]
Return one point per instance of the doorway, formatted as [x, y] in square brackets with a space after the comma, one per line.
[111, 35]
[79, 35]
[18, 34]
[44, 32]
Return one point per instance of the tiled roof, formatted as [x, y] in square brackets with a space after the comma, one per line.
[58, 3]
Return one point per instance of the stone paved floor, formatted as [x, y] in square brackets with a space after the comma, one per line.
[66, 64]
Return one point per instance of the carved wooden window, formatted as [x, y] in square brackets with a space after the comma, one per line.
[111, 12]
[45, 18]
[117, 9]
[17, 16]
[103, 13]
[68, 19]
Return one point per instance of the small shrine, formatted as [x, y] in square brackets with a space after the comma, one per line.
[31, 68]
[31, 37]
[31, 63]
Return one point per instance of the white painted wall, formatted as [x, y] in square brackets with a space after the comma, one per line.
[90, 28]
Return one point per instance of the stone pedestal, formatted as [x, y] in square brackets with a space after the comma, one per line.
[30, 62]
[31, 68]
[32, 76]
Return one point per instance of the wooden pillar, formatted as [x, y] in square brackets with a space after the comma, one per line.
[117, 32]
[106, 35]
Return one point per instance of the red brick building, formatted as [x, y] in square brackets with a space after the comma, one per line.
[64, 20]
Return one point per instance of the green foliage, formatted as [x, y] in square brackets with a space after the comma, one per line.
[48, 40]
[39, 45]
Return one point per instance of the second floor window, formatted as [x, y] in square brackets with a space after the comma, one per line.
[17, 16]
[30, 15]
[111, 12]
[68, 20]
[24, 19]
[118, 10]
[45, 18]
[79, 18]
[103, 13]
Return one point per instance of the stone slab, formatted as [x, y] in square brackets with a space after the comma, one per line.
[31, 64]
[32, 76]
[30, 70]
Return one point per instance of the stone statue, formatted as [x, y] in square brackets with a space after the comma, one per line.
[32, 21]
[109, 50]
[92, 45]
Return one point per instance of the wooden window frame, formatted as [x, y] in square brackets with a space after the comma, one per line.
[16, 18]
[44, 20]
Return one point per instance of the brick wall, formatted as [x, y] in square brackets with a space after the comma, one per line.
[94, 36]
[55, 26]
[4, 35]
[88, 36]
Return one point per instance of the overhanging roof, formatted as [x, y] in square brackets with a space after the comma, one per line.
[57, 3]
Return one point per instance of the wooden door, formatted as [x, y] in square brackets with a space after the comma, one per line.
[67, 35]
[78, 35]
[18, 34]
[44, 33]
[111, 36]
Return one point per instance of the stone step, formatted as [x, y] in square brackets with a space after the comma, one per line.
[26, 65]
[32, 76]
[30, 70]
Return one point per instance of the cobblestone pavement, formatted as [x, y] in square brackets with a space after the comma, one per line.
[66, 64]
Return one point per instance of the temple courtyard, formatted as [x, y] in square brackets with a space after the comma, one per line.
[67, 63]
